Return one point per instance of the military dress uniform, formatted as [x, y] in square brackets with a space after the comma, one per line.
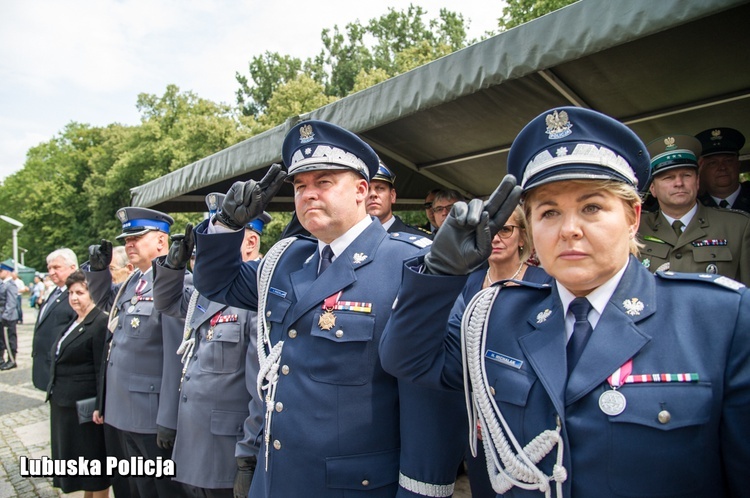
[218, 386]
[661, 376]
[335, 426]
[716, 241]
[640, 452]
[741, 203]
[9, 311]
[142, 371]
[332, 422]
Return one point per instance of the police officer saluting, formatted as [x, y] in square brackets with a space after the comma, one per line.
[220, 371]
[683, 235]
[143, 371]
[331, 425]
[600, 383]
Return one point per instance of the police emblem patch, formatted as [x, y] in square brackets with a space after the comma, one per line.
[306, 133]
[558, 125]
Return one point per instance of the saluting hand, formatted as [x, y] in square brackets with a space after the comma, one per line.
[100, 255]
[464, 241]
[181, 249]
[245, 201]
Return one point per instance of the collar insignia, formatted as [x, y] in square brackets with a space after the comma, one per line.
[543, 315]
[633, 306]
[359, 257]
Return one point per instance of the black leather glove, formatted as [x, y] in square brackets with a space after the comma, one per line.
[245, 471]
[464, 241]
[245, 201]
[100, 255]
[181, 249]
[165, 437]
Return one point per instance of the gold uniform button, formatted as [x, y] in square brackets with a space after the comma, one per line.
[339, 333]
[365, 483]
[279, 406]
[277, 444]
[268, 313]
[664, 417]
[292, 333]
[285, 369]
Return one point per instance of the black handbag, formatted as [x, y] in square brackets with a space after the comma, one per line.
[85, 409]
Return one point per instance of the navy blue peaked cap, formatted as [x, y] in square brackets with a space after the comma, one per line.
[318, 145]
[137, 221]
[572, 143]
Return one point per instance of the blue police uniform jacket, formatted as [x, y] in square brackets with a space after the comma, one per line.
[217, 395]
[687, 324]
[335, 425]
[142, 371]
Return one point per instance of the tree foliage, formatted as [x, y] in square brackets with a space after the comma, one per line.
[71, 186]
[517, 12]
[352, 58]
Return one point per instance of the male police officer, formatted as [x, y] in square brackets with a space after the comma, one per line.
[9, 316]
[380, 198]
[143, 371]
[720, 169]
[220, 371]
[332, 414]
[683, 235]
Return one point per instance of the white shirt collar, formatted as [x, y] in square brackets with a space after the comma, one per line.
[686, 219]
[339, 245]
[598, 298]
[730, 199]
[388, 224]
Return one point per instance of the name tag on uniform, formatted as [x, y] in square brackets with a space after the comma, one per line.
[277, 292]
[503, 359]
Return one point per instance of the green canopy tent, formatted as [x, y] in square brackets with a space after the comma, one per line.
[25, 273]
[667, 66]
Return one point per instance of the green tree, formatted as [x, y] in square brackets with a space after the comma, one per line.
[295, 97]
[267, 71]
[517, 12]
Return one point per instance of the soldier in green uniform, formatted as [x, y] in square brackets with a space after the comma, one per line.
[684, 235]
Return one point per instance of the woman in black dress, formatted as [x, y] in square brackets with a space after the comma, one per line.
[77, 358]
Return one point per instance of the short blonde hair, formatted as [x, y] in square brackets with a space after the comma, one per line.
[625, 192]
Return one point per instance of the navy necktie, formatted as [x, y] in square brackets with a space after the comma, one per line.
[723, 204]
[326, 258]
[582, 329]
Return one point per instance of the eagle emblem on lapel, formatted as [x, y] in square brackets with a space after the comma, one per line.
[633, 306]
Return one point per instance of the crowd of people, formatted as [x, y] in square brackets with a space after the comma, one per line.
[556, 338]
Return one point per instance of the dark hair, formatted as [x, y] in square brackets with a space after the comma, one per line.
[77, 277]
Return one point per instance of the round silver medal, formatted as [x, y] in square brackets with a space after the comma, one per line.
[133, 299]
[612, 402]
[131, 309]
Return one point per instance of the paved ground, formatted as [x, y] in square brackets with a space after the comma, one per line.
[24, 426]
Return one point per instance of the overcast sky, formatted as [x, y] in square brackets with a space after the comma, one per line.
[65, 61]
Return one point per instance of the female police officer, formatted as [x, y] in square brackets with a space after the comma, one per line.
[629, 384]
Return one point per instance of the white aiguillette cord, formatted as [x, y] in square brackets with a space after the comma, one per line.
[269, 356]
[507, 466]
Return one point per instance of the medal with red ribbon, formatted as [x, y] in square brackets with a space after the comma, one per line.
[613, 402]
[212, 324]
[327, 319]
